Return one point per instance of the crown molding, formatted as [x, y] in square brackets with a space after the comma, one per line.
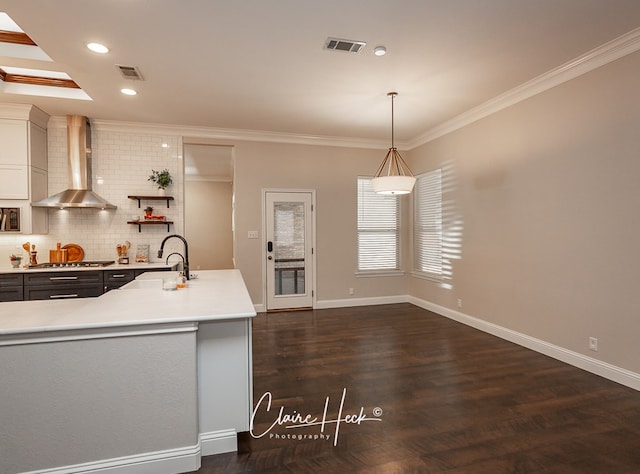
[600, 56]
[225, 134]
[209, 179]
[25, 112]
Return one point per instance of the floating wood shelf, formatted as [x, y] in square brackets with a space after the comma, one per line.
[150, 222]
[151, 198]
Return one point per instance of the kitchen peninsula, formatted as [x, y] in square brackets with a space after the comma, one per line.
[136, 380]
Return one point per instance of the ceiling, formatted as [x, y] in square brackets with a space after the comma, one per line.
[208, 162]
[260, 65]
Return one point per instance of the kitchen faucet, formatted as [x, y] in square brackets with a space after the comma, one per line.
[186, 252]
[166, 260]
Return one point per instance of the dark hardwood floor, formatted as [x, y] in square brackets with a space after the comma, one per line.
[449, 399]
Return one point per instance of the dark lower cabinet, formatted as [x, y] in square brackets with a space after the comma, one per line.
[11, 288]
[63, 285]
[163, 269]
[116, 278]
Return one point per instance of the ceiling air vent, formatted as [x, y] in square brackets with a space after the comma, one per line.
[348, 46]
[130, 72]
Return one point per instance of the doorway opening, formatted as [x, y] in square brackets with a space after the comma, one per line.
[208, 209]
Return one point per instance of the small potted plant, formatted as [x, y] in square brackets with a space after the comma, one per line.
[15, 260]
[148, 211]
[162, 179]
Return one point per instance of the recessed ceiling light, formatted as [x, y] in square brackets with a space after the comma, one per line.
[128, 91]
[380, 51]
[98, 48]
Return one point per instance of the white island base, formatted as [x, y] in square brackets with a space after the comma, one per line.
[139, 380]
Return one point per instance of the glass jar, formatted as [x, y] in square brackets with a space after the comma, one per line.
[169, 284]
[181, 280]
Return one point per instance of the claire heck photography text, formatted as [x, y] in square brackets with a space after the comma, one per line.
[284, 423]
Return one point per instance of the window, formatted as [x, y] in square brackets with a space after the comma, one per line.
[427, 224]
[378, 229]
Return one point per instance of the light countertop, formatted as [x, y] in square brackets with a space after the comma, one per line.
[114, 266]
[213, 295]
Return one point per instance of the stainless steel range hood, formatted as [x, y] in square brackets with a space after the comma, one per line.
[79, 160]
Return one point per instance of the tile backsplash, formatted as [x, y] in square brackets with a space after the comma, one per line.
[122, 161]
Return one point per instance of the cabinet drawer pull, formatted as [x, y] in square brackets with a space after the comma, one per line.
[118, 276]
[63, 278]
[72, 295]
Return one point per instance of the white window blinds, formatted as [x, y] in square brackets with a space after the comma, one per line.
[378, 229]
[427, 224]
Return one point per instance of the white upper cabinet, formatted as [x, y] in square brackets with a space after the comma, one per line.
[15, 145]
[23, 163]
[38, 147]
[14, 159]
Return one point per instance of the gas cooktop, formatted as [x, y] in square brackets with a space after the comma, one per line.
[83, 264]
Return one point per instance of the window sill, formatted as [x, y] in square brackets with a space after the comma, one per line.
[379, 273]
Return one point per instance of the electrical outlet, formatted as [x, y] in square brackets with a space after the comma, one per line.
[352, 291]
[459, 302]
[253, 234]
[593, 343]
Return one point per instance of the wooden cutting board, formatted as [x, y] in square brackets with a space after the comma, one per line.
[74, 252]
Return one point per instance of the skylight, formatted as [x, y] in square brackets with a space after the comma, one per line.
[21, 71]
[41, 90]
[15, 43]
[7, 24]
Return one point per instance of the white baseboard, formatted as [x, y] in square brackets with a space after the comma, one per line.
[351, 302]
[218, 442]
[603, 369]
[168, 461]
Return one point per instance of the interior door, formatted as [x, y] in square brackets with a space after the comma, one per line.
[289, 250]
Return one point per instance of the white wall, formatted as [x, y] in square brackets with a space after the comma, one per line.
[332, 172]
[208, 224]
[547, 194]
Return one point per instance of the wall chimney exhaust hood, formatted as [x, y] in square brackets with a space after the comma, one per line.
[79, 161]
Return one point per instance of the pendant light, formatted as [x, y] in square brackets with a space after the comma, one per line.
[393, 175]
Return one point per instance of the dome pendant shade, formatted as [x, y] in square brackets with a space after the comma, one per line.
[393, 175]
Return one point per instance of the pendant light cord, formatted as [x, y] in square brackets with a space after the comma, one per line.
[393, 95]
[393, 162]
